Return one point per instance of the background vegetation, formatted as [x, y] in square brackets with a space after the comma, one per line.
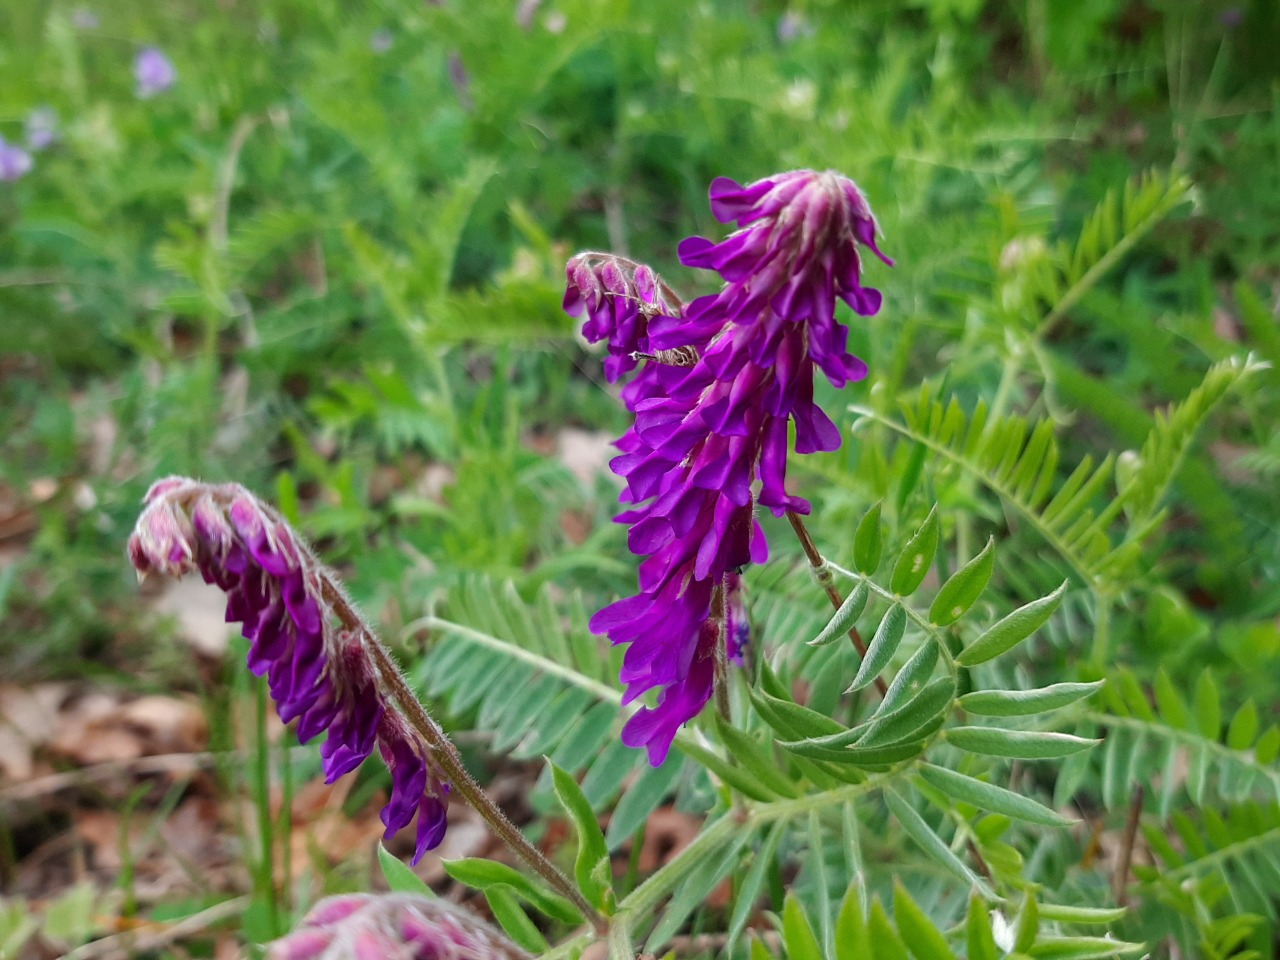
[328, 264]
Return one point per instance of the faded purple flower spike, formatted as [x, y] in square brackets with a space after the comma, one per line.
[618, 298]
[154, 72]
[319, 673]
[14, 161]
[709, 442]
[380, 41]
[399, 925]
[42, 128]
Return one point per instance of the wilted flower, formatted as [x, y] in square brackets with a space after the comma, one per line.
[154, 72]
[318, 673]
[14, 161]
[709, 442]
[394, 925]
[618, 298]
[42, 128]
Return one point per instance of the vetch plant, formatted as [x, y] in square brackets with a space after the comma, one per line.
[877, 773]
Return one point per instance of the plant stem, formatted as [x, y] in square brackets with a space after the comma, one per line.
[823, 576]
[446, 755]
[721, 685]
[1101, 648]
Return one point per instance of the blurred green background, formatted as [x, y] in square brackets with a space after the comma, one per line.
[328, 261]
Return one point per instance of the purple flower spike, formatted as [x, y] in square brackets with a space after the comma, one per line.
[710, 439]
[319, 674]
[154, 72]
[14, 161]
[42, 128]
[392, 925]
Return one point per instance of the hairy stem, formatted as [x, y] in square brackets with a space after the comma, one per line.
[722, 652]
[823, 575]
[445, 754]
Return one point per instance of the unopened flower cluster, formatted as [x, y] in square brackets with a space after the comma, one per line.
[726, 376]
[403, 926]
[319, 673]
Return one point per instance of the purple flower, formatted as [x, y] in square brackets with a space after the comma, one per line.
[82, 18]
[709, 441]
[14, 161]
[318, 674]
[42, 128]
[392, 925]
[618, 298]
[380, 41]
[154, 72]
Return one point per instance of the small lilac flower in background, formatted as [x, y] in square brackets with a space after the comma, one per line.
[1231, 17]
[792, 26]
[710, 439]
[380, 41]
[319, 674]
[14, 161]
[42, 128]
[82, 18]
[461, 81]
[394, 925]
[154, 72]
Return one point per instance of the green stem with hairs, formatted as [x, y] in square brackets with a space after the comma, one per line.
[446, 755]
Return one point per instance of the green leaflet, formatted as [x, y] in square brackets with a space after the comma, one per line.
[901, 724]
[882, 647]
[1012, 630]
[855, 756]
[1208, 707]
[851, 938]
[916, 558]
[1017, 744]
[757, 761]
[963, 588]
[592, 852]
[488, 874]
[844, 619]
[918, 932]
[1021, 703]
[644, 795]
[911, 677]
[791, 720]
[988, 796]
[507, 911]
[929, 841]
[747, 894]
[867, 541]
[399, 877]
[981, 941]
[797, 933]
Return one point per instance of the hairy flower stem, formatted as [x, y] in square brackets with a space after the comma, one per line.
[446, 755]
[719, 618]
[823, 575]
